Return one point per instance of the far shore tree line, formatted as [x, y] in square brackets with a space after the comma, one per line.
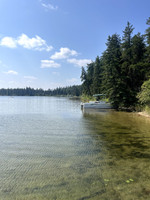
[74, 90]
[122, 73]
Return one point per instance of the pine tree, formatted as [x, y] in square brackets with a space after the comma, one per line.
[138, 68]
[137, 48]
[85, 82]
[90, 76]
[112, 82]
[97, 76]
[126, 42]
[128, 95]
[148, 40]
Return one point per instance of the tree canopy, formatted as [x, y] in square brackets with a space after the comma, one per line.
[122, 68]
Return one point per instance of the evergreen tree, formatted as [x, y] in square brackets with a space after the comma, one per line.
[128, 95]
[133, 66]
[148, 40]
[84, 80]
[138, 48]
[90, 76]
[126, 43]
[138, 68]
[112, 82]
[97, 76]
[121, 70]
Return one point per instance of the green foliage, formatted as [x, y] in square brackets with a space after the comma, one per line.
[144, 94]
[92, 77]
[112, 73]
[127, 42]
[148, 31]
[121, 70]
[97, 76]
[138, 48]
[87, 98]
[148, 40]
[86, 83]
[147, 110]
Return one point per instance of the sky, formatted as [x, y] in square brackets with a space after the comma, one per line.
[44, 43]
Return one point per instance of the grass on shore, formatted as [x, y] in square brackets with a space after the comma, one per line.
[86, 98]
[146, 109]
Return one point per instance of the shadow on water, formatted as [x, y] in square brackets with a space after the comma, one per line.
[122, 133]
[125, 140]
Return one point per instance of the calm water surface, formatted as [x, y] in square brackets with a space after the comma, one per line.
[50, 150]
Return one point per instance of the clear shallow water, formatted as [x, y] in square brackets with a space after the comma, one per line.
[50, 150]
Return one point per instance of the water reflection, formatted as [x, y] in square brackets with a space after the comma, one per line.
[125, 139]
[51, 150]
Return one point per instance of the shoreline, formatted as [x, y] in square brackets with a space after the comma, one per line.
[144, 114]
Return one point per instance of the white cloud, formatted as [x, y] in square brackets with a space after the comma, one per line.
[49, 64]
[79, 62]
[30, 77]
[49, 6]
[11, 72]
[64, 53]
[35, 43]
[8, 42]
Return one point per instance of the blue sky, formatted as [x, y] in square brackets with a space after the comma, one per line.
[44, 43]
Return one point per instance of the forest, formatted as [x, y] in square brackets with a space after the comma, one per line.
[122, 72]
[74, 90]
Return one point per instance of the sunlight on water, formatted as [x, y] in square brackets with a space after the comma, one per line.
[50, 150]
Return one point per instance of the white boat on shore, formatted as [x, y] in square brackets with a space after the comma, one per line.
[99, 104]
[96, 104]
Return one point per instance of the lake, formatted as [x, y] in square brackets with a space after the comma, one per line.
[51, 150]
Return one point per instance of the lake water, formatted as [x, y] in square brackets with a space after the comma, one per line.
[51, 150]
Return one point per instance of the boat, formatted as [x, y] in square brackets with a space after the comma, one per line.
[98, 104]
